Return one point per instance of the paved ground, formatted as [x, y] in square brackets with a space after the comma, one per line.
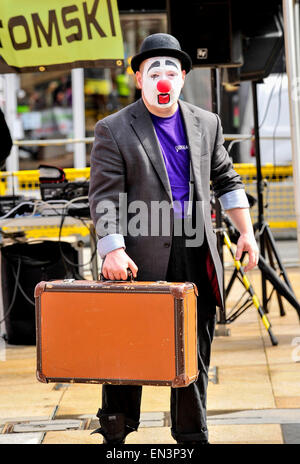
[253, 394]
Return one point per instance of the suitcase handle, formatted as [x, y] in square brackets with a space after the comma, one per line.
[129, 274]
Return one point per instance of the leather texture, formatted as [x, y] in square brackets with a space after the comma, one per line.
[131, 333]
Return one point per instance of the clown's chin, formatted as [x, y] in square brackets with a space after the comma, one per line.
[163, 98]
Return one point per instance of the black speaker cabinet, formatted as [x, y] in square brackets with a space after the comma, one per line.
[262, 41]
[22, 267]
[207, 31]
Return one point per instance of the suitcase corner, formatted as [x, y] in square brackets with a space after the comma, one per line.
[41, 377]
[39, 288]
[183, 380]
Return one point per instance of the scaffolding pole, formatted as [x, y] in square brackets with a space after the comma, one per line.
[10, 112]
[78, 117]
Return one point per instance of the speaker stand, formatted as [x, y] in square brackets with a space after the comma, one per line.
[266, 239]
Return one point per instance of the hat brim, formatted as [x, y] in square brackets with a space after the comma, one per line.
[184, 58]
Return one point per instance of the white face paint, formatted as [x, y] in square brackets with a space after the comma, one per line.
[162, 81]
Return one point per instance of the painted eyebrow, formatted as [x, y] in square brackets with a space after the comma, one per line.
[154, 65]
[171, 63]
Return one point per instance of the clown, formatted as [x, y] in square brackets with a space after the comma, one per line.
[160, 69]
[161, 80]
[162, 150]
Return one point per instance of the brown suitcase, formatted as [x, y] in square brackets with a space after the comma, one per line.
[131, 333]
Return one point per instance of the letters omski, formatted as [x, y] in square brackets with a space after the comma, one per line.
[35, 27]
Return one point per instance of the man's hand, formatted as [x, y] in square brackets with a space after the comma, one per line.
[116, 264]
[247, 242]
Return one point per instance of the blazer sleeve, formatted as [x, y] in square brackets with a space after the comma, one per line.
[226, 182]
[107, 184]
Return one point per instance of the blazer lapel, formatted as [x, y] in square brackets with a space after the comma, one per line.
[144, 129]
[195, 136]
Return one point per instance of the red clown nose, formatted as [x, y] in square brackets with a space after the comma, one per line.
[164, 86]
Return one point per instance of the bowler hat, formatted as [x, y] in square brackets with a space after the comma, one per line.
[161, 45]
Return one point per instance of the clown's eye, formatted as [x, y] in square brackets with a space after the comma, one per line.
[154, 76]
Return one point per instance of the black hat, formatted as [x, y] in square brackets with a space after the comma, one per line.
[161, 45]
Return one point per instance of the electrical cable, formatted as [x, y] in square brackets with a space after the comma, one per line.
[41, 202]
[269, 102]
[63, 213]
[59, 239]
[14, 292]
[35, 205]
[28, 261]
[233, 142]
[16, 208]
[21, 289]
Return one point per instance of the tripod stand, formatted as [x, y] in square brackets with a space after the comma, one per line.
[267, 242]
[267, 272]
[253, 299]
[227, 233]
[230, 235]
[266, 239]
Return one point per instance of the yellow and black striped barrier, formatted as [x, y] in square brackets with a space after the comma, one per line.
[249, 288]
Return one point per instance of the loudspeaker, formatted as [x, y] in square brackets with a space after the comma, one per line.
[23, 265]
[263, 41]
[261, 46]
[207, 31]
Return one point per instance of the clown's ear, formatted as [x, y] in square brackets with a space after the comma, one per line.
[138, 80]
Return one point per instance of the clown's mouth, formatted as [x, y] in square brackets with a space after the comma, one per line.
[163, 98]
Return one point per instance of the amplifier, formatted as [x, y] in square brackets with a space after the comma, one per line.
[23, 265]
[64, 190]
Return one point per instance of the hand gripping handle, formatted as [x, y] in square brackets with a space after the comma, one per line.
[129, 274]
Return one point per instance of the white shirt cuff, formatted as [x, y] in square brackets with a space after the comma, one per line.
[109, 243]
[234, 199]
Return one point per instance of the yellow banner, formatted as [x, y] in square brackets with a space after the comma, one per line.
[39, 35]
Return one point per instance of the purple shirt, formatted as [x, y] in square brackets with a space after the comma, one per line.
[172, 138]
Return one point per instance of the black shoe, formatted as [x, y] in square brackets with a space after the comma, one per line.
[106, 441]
[112, 428]
[113, 442]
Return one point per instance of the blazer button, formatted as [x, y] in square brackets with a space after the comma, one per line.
[167, 245]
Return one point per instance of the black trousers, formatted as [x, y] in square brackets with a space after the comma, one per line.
[188, 404]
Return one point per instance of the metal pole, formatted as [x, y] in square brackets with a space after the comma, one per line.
[78, 116]
[292, 37]
[10, 112]
[260, 185]
[260, 189]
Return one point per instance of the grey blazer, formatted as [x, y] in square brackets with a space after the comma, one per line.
[126, 158]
